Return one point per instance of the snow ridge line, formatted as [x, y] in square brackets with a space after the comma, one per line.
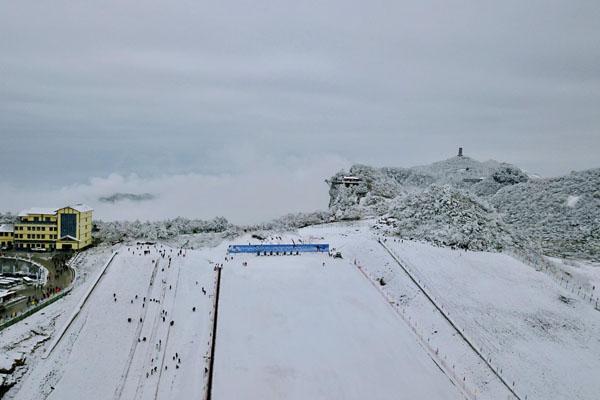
[450, 321]
[79, 307]
[433, 354]
[213, 336]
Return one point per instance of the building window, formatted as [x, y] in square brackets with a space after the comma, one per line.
[68, 225]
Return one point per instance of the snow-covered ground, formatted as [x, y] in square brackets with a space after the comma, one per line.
[25, 341]
[585, 274]
[358, 244]
[103, 356]
[291, 328]
[544, 339]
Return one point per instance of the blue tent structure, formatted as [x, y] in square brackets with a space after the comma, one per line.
[279, 248]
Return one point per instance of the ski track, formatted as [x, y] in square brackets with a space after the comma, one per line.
[139, 327]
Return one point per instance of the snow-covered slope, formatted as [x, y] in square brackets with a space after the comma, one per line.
[543, 337]
[563, 213]
[122, 344]
[381, 184]
[449, 217]
[461, 200]
[291, 327]
[22, 344]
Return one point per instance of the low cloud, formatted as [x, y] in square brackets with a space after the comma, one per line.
[251, 196]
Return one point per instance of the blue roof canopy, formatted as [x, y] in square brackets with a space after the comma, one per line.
[261, 248]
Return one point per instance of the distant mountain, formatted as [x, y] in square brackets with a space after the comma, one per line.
[478, 205]
[117, 197]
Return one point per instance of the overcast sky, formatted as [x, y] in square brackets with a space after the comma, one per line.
[233, 90]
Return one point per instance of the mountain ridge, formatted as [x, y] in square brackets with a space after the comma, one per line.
[559, 215]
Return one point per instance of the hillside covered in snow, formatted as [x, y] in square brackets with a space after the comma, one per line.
[462, 202]
[562, 213]
[390, 316]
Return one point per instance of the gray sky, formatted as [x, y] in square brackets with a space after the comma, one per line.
[89, 89]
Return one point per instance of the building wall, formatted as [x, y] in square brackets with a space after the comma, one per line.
[36, 231]
[85, 229]
[83, 232]
[43, 231]
[6, 239]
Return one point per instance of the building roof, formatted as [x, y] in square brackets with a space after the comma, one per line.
[7, 228]
[52, 211]
[81, 207]
[37, 210]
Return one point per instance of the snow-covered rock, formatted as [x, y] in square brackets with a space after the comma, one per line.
[379, 185]
[450, 217]
[559, 215]
[562, 213]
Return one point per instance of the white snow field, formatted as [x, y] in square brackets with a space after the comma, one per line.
[291, 328]
[549, 347]
[581, 273]
[103, 356]
[27, 339]
[513, 314]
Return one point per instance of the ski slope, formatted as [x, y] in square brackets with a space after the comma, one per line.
[548, 347]
[292, 328]
[513, 313]
[103, 356]
[26, 341]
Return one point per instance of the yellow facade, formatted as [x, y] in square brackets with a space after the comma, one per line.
[83, 238]
[6, 236]
[67, 228]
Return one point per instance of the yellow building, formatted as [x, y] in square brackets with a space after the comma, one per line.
[6, 236]
[67, 228]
